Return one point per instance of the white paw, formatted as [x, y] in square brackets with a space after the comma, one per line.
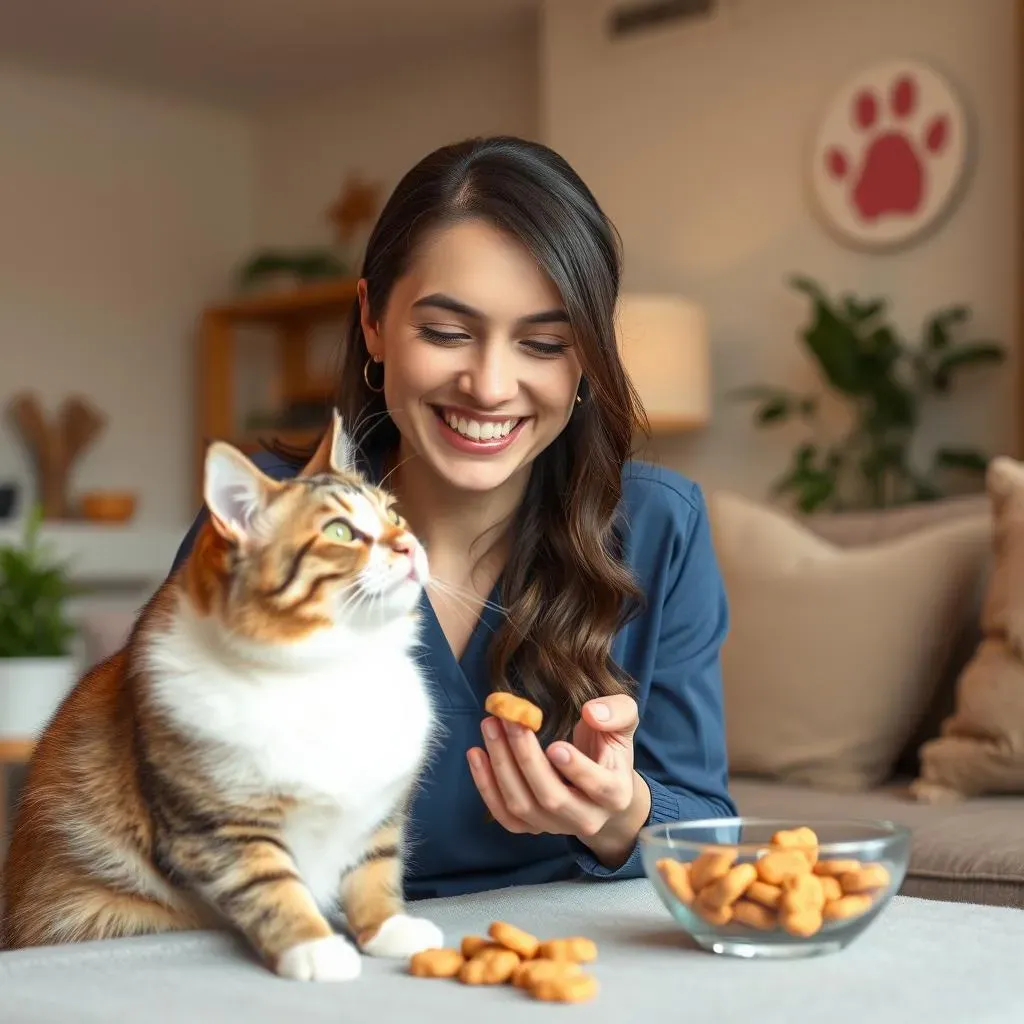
[333, 958]
[401, 936]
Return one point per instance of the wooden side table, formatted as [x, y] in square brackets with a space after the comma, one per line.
[11, 752]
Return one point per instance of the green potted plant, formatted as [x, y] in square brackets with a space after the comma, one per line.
[37, 667]
[884, 380]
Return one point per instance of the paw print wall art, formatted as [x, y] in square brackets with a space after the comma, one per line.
[889, 155]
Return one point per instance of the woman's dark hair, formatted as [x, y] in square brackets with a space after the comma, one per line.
[565, 587]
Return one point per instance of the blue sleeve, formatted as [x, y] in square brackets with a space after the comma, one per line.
[679, 746]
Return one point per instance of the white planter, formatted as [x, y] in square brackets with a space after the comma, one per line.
[30, 691]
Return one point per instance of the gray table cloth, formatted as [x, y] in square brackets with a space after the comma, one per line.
[922, 960]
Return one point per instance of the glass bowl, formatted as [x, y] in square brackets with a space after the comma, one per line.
[768, 887]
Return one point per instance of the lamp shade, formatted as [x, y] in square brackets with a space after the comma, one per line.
[664, 345]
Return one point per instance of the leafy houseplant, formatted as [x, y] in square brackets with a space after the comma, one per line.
[36, 664]
[884, 380]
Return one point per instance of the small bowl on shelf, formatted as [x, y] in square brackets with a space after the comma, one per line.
[774, 887]
[107, 506]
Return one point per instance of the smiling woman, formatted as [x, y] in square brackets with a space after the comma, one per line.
[485, 367]
[482, 382]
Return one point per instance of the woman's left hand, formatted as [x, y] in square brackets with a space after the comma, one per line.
[586, 788]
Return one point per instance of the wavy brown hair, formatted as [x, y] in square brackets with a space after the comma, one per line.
[565, 587]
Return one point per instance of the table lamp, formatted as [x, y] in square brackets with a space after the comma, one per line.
[664, 345]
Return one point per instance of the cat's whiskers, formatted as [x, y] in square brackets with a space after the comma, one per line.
[395, 468]
[474, 601]
[470, 597]
[363, 426]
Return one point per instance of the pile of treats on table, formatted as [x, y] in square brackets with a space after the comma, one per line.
[551, 970]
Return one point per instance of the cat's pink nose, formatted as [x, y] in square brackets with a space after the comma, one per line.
[403, 545]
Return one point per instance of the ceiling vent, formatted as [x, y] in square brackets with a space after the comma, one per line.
[630, 19]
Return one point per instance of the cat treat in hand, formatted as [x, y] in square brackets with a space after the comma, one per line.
[510, 708]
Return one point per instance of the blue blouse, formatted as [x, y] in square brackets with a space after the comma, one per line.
[672, 650]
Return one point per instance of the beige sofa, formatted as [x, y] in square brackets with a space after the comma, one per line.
[968, 851]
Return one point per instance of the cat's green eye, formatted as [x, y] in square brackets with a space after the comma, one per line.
[339, 531]
[394, 516]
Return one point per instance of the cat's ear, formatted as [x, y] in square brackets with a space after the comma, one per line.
[236, 492]
[337, 451]
[343, 449]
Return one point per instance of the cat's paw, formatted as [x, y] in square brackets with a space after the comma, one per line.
[400, 936]
[333, 958]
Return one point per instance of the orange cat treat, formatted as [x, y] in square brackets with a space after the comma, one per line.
[754, 915]
[764, 893]
[775, 866]
[577, 988]
[864, 879]
[836, 867]
[803, 840]
[529, 972]
[518, 710]
[787, 886]
[436, 963]
[514, 938]
[489, 967]
[473, 944]
[677, 877]
[577, 949]
[846, 907]
[711, 865]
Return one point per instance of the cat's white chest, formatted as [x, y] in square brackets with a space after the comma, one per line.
[341, 742]
[344, 732]
[341, 734]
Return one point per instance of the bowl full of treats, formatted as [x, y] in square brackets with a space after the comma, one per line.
[768, 887]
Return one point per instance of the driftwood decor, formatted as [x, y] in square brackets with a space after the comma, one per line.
[54, 447]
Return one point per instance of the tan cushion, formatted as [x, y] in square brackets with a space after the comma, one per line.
[834, 654]
[981, 748]
[871, 526]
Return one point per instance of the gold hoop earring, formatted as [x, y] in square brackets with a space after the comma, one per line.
[366, 376]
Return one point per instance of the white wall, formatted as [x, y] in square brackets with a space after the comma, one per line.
[693, 138]
[121, 217]
[379, 127]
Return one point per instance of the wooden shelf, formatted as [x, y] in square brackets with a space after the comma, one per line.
[319, 300]
[107, 554]
[293, 315]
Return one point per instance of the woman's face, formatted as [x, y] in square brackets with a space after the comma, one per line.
[480, 366]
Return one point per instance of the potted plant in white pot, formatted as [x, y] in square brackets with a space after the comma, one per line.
[37, 667]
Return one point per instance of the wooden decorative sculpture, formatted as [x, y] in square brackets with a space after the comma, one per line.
[356, 206]
[55, 447]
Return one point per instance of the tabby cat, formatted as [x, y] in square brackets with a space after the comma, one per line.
[247, 759]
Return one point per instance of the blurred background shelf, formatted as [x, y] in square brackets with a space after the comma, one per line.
[104, 557]
[291, 316]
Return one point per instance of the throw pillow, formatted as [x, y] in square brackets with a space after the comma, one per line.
[981, 746]
[834, 654]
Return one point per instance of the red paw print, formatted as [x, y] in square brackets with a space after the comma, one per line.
[891, 175]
